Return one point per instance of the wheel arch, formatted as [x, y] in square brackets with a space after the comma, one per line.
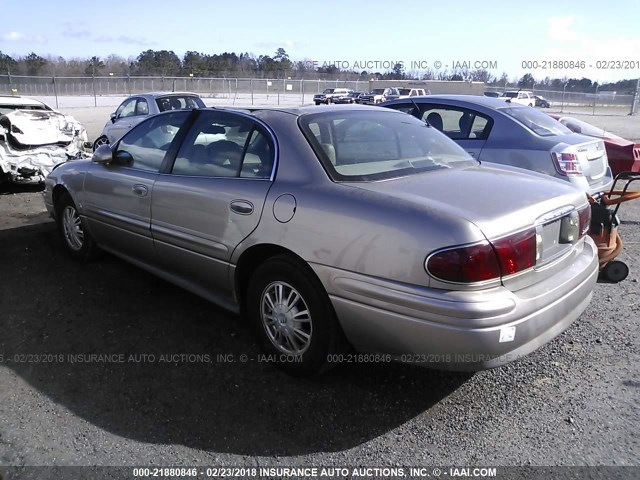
[253, 257]
[57, 193]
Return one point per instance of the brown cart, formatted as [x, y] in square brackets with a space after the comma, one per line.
[604, 226]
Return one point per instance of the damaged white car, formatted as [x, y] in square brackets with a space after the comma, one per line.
[34, 138]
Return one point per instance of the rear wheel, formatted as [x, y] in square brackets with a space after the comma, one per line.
[76, 239]
[102, 140]
[293, 317]
[615, 271]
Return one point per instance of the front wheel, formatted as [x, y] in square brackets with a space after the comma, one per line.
[76, 239]
[293, 317]
[102, 140]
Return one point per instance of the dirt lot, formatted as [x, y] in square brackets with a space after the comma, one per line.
[177, 402]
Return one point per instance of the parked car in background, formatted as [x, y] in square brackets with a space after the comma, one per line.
[329, 94]
[34, 138]
[138, 107]
[491, 94]
[520, 96]
[241, 207]
[379, 95]
[351, 97]
[623, 155]
[542, 102]
[410, 92]
[509, 133]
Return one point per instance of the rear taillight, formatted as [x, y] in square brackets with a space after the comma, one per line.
[584, 216]
[516, 252]
[474, 263]
[485, 261]
[566, 164]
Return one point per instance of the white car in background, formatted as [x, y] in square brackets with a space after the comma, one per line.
[520, 96]
[35, 138]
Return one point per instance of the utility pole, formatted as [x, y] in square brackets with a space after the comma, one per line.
[636, 99]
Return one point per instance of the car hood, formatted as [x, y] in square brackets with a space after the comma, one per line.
[497, 199]
[36, 128]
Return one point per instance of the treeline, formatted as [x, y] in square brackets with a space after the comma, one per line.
[247, 65]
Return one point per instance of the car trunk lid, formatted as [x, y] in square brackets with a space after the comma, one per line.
[498, 200]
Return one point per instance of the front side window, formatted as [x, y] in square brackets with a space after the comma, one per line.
[364, 145]
[146, 145]
[225, 145]
[127, 109]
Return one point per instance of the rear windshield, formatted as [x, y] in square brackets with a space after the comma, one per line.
[510, 94]
[365, 145]
[538, 122]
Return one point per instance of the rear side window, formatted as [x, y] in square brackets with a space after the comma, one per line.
[456, 123]
[538, 122]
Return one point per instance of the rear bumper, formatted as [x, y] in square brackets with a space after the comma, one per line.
[460, 330]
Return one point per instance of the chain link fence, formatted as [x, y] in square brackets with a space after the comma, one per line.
[567, 101]
[109, 90]
[231, 90]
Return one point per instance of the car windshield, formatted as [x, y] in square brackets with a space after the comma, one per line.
[578, 126]
[377, 91]
[365, 145]
[510, 94]
[536, 121]
[328, 90]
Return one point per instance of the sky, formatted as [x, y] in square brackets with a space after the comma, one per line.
[352, 34]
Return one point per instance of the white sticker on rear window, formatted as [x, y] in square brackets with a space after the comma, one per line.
[507, 334]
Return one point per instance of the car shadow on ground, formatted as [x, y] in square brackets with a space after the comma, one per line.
[166, 366]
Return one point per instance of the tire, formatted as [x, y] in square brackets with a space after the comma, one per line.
[102, 140]
[329, 102]
[317, 103]
[293, 317]
[76, 239]
[615, 271]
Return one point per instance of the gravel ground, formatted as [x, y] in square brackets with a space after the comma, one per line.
[572, 402]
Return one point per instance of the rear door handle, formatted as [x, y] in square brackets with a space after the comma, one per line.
[243, 207]
[140, 190]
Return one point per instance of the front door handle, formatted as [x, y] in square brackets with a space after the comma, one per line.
[473, 154]
[140, 190]
[243, 207]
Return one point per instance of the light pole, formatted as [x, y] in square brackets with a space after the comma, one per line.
[564, 89]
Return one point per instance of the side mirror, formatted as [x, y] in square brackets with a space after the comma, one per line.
[113, 117]
[123, 158]
[103, 154]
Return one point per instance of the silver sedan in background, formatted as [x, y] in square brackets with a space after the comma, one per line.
[493, 130]
[138, 107]
[332, 228]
